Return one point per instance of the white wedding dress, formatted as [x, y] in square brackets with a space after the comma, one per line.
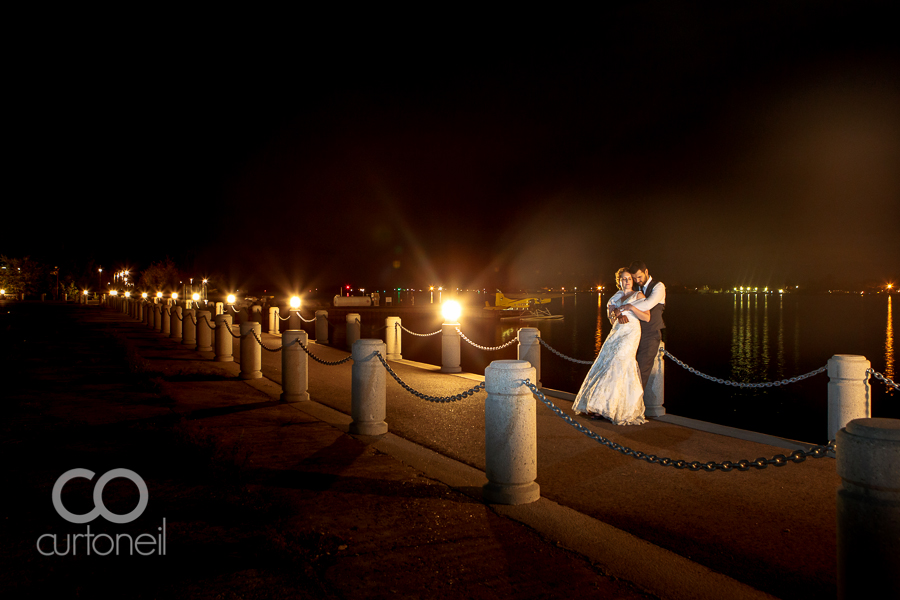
[612, 388]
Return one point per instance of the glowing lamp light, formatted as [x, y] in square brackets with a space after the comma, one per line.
[85, 292]
[231, 298]
[174, 295]
[144, 295]
[451, 311]
[128, 294]
[159, 294]
[3, 292]
[114, 293]
[295, 302]
[195, 297]
[781, 291]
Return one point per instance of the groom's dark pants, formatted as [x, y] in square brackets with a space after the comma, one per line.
[646, 353]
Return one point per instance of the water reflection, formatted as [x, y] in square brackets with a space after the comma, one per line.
[752, 336]
[889, 344]
[601, 316]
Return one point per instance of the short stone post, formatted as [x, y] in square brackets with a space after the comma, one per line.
[139, 310]
[273, 319]
[204, 332]
[177, 328]
[849, 394]
[450, 348]
[256, 314]
[251, 351]
[224, 339]
[190, 328]
[868, 509]
[510, 434]
[530, 350]
[167, 315]
[352, 329]
[392, 336]
[321, 326]
[157, 317]
[294, 366]
[654, 394]
[367, 391]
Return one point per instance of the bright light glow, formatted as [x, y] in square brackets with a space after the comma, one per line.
[781, 291]
[231, 298]
[114, 293]
[295, 302]
[143, 295]
[3, 292]
[205, 281]
[84, 292]
[196, 297]
[174, 295]
[159, 294]
[451, 311]
[128, 294]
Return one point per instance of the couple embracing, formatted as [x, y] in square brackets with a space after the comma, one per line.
[614, 386]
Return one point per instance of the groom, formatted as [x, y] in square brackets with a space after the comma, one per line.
[655, 302]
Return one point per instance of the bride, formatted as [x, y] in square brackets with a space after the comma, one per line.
[612, 388]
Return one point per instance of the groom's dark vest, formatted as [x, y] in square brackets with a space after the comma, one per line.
[656, 321]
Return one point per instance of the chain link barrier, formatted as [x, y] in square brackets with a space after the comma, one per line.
[259, 340]
[396, 325]
[506, 345]
[779, 460]
[746, 385]
[208, 324]
[883, 378]
[563, 356]
[418, 394]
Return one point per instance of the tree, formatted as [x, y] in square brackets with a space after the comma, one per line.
[161, 275]
[22, 276]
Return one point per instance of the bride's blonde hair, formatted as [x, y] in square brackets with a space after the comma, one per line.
[619, 276]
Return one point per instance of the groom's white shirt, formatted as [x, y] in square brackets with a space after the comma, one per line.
[657, 296]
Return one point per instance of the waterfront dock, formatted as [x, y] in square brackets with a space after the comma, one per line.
[644, 530]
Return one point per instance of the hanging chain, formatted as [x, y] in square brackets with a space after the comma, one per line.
[418, 394]
[747, 385]
[414, 333]
[325, 362]
[779, 460]
[563, 356]
[258, 339]
[506, 345]
[883, 378]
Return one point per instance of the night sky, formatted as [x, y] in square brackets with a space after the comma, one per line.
[757, 145]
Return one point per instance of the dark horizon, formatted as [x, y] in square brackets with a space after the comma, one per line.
[752, 145]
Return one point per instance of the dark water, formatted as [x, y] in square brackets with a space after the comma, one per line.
[743, 338]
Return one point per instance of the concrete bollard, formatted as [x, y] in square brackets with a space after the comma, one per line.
[256, 314]
[157, 317]
[167, 315]
[224, 339]
[450, 348]
[868, 509]
[273, 319]
[654, 394]
[294, 366]
[352, 329]
[204, 332]
[849, 394]
[139, 310]
[321, 326]
[367, 389]
[189, 337]
[392, 337]
[530, 350]
[177, 327]
[510, 434]
[251, 351]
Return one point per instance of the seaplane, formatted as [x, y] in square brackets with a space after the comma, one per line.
[520, 308]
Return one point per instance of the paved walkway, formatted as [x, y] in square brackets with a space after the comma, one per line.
[606, 524]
